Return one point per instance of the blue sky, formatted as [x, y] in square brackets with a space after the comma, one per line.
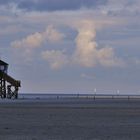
[72, 46]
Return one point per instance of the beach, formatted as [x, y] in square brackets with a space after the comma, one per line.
[77, 119]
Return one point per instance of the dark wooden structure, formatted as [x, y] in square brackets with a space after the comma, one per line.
[8, 86]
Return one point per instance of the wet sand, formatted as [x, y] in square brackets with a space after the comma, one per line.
[83, 119]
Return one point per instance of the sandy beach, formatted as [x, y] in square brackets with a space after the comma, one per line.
[83, 119]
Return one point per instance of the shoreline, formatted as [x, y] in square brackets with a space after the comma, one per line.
[75, 102]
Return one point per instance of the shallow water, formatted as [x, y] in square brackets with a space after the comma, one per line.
[82, 119]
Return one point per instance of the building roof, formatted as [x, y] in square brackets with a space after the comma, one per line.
[3, 63]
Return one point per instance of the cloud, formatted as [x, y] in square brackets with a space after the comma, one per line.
[37, 39]
[87, 53]
[52, 35]
[106, 57]
[53, 5]
[27, 46]
[109, 7]
[56, 58]
[3, 2]
[121, 7]
[31, 41]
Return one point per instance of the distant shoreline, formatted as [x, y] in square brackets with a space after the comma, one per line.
[78, 96]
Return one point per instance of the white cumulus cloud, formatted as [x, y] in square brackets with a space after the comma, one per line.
[53, 35]
[37, 39]
[87, 52]
[26, 46]
[31, 41]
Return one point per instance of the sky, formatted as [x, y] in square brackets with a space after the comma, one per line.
[72, 46]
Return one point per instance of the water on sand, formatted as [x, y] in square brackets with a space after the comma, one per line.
[77, 119]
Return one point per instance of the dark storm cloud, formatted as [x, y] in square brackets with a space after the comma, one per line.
[53, 5]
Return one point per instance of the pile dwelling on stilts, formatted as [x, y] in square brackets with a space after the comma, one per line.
[8, 86]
